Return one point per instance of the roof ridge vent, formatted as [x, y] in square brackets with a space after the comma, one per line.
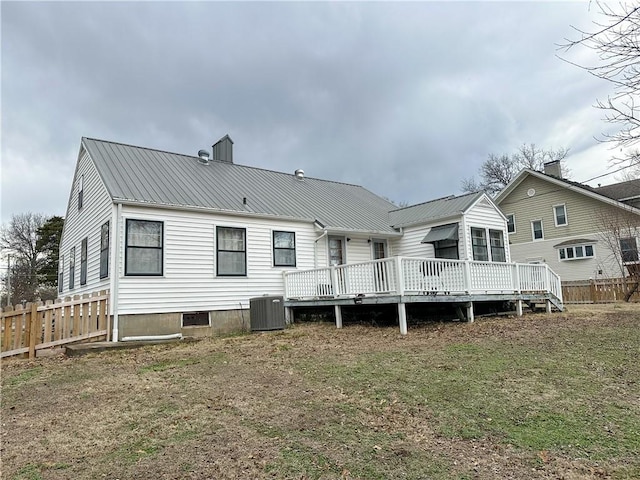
[203, 157]
[299, 173]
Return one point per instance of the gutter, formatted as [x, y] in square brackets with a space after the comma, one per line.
[315, 247]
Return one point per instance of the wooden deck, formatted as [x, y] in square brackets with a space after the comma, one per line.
[402, 280]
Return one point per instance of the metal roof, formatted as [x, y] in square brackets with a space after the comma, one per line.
[442, 232]
[147, 176]
[433, 210]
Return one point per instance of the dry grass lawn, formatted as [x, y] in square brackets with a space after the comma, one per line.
[542, 396]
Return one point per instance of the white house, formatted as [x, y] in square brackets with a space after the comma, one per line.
[183, 242]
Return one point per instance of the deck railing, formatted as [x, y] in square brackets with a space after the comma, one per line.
[418, 276]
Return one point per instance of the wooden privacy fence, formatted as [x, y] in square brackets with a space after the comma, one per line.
[37, 326]
[603, 290]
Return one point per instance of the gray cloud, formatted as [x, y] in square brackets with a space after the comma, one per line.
[406, 99]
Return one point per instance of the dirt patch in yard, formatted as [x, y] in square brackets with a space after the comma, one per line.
[541, 396]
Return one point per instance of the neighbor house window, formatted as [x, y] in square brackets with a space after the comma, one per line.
[104, 250]
[284, 249]
[61, 275]
[144, 247]
[536, 230]
[560, 215]
[72, 268]
[231, 251]
[479, 244]
[496, 238]
[629, 250]
[511, 223]
[80, 191]
[83, 261]
[576, 252]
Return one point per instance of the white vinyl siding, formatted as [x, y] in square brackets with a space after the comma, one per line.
[85, 223]
[487, 216]
[189, 283]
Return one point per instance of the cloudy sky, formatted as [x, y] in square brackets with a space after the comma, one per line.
[406, 99]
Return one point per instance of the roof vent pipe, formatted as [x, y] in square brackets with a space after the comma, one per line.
[299, 173]
[203, 157]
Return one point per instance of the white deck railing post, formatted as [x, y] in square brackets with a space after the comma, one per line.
[400, 276]
[467, 276]
[334, 281]
[516, 280]
[286, 287]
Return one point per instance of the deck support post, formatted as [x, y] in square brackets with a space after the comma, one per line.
[338, 313]
[548, 302]
[519, 308]
[288, 315]
[470, 317]
[402, 318]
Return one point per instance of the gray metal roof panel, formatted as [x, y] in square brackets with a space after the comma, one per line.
[621, 190]
[433, 210]
[145, 175]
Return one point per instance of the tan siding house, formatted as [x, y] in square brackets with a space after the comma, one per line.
[561, 223]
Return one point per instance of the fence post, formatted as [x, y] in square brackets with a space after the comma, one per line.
[33, 328]
[592, 290]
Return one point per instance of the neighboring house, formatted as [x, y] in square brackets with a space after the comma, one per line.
[183, 241]
[564, 224]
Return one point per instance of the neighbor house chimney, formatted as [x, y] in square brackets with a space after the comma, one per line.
[223, 149]
[553, 169]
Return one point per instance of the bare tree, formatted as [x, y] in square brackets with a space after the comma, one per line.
[620, 231]
[19, 239]
[498, 170]
[614, 39]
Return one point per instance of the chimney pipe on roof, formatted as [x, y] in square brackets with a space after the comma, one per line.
[553, 168]
[223, 149]
[203, 157]
[299, 173]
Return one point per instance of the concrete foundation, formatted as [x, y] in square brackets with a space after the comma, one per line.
[221, 322]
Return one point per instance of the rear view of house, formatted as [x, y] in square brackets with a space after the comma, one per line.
[182, 242]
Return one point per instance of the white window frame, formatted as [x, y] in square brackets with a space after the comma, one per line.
[533, 232]
[344, 248]
[219, 230]
[573, 249]
[555, 215]
[513, 215]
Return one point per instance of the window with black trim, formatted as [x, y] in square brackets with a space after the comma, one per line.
[231, 251]
[144, 247]
[195, 319]
[284, 249]
[496, 238]
[61, 274]
[511, 223]
[80, 191]
[83, 261]
[446, 249]
[72, 268]
[104, 250]
[479, 244]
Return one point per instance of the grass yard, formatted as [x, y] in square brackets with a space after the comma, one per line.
[542, 396]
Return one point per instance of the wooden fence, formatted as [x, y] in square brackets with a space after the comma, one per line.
[37, 326]
[604, 290]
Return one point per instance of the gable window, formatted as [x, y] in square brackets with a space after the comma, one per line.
[104, 250]
[336, 251]
[511, 223]
[144, 247]
[284, 249]
[536, 230]
[575, 252]
[231, 251]
[496, 238]
[72, 268]
[479, 244]
[83, 261]
[560, 215]
[61, 274]
[629, 250]
[80, 191]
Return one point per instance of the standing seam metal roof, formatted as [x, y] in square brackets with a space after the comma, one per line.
[439, 208]
[150, 176]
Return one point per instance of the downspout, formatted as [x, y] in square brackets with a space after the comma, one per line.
[315, 248]
[116, 273]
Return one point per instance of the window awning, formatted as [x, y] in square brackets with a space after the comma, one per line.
[442, 232]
